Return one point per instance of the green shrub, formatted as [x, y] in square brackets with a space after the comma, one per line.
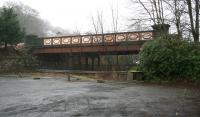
[170, 59]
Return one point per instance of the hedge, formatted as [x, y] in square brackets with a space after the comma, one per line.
[170, 59]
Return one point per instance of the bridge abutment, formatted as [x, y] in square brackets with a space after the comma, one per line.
[160, 30]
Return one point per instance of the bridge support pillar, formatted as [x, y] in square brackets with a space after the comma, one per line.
[92, 58]
[86, 62]
[99, 61]
[71, 62]
[79, 62]
[117, 62]
[160, 30]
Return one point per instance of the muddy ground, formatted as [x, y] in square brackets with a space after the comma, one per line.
[56, 97]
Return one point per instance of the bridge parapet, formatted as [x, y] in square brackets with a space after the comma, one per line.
[97, 39]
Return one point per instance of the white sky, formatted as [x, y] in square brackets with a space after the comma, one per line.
[76, 14]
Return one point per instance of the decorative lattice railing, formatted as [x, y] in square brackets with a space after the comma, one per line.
[109, 38]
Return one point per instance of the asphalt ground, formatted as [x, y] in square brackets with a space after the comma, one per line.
[57, 97]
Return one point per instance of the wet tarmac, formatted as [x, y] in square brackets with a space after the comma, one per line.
[54, 97]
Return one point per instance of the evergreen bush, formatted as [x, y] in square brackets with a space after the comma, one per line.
[170, 59]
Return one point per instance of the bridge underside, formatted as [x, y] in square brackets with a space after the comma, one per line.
[87, 61]
[100, 57]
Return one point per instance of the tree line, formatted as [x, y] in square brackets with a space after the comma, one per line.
[172, 58]
[182, 14]
[18, 21]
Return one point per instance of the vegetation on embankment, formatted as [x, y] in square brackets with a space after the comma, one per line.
[14, 61]
[170, 59]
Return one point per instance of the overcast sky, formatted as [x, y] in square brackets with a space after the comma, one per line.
[76, 14]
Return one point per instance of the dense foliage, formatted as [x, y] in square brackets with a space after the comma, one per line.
[170, 59]
[10, 31]
[30, 19]
[15, 58]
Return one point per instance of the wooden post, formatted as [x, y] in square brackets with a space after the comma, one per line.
[69, 77]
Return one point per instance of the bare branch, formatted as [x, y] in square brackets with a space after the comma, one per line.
[146, 9]
[114, 19]
[95, 26]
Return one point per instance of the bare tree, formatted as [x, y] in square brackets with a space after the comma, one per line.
[76, 31]
[177, 8]
[100, 21]
[98, 24]
[154, 9]
[95, 25]
[184, 14]
[114, 19]
[193, 12]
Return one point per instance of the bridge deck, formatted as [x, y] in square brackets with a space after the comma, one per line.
[110, 42]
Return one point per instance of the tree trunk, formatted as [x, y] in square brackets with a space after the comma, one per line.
[196, 39]
[5, 45]
[194, 29]
[178, 21]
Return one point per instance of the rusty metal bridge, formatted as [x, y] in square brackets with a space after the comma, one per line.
[98, 43]
[85, 51]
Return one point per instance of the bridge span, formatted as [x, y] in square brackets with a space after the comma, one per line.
[97, 43]
[86, 51]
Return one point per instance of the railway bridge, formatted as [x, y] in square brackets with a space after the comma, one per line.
[110, 51]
